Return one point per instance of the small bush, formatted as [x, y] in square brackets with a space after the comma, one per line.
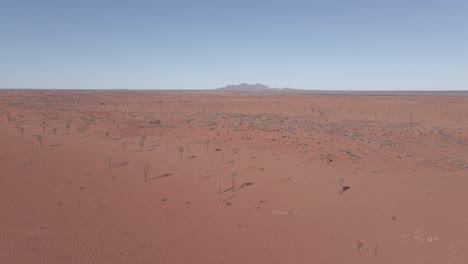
[146, 169]
[181, 150]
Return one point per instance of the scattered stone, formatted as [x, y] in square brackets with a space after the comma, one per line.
[277, 212]
[418, 235]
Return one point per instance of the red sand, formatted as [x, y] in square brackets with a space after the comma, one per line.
[405, 159]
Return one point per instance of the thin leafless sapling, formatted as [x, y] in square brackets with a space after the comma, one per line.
[181, 150]
[146, 169]
[233, 179]
[39, 139]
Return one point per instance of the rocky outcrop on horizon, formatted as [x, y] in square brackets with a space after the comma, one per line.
[245, 87]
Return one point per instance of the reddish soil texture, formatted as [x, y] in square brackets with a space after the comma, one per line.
[73, 187]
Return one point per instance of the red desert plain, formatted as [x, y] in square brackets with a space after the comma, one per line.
[219, 177]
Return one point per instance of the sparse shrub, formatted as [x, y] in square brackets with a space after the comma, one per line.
[124, 147]
[340, 183]
[81, 129]
[142, 143]
[181, 150]
[109, 160]
[207, 146]
[107, 135]
[43, 125]
[233, 178]
[146, 169]
[343, 187]
[21, 129]
[39, 139]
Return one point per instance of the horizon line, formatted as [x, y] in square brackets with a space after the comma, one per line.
[282, 90]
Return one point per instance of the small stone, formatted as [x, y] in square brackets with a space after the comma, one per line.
[285, 212]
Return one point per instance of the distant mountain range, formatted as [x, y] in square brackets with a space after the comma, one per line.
[261, 88]
[245, 87]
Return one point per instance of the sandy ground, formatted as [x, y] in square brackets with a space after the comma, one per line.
[73, 187]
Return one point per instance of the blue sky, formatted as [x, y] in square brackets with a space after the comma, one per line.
[341, 45]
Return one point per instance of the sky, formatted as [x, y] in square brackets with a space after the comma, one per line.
[174, 44]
